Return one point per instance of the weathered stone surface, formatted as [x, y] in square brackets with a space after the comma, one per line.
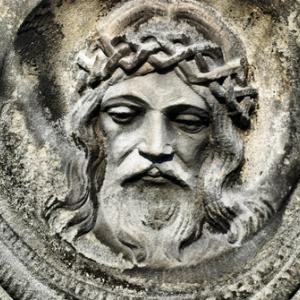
[149, 149]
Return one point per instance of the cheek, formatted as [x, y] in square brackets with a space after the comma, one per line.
[190, 147]
[109, 128]
[120, 139]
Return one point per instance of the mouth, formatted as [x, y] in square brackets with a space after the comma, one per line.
[155, 176]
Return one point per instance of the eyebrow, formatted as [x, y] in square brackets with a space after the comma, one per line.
[123, 93]
[182, 107]
[130, 100]
[181, 101]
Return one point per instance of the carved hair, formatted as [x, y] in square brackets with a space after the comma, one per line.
[158, 45]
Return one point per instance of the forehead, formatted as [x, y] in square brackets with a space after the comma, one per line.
[157, 90]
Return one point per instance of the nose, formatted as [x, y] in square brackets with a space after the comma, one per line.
[156, 145]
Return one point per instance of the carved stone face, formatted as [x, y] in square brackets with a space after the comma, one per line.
[158, 111]
[155, 139]
[156, 127]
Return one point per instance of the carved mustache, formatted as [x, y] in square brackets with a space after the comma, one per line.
[156, 171]
[135, 167]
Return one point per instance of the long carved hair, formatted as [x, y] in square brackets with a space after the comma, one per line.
[158, 45]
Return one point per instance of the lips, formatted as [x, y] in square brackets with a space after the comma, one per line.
[154, 175]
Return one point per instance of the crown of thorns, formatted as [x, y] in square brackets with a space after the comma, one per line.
[159, 46]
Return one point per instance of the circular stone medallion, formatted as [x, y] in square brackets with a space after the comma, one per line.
[149, 149]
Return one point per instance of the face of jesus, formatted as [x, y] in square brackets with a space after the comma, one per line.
[156, 127]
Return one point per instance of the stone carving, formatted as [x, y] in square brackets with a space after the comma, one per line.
[150, 150]
[157, 116]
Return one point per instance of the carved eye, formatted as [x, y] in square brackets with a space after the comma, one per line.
[190, 122]
[122, 114]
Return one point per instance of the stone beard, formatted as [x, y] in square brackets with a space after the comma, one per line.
[156, 122]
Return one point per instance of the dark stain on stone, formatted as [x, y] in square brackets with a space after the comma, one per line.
[37, 42]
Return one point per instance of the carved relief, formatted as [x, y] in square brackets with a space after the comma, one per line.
[151, 149]
[163, 103]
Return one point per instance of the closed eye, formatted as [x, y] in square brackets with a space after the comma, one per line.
[190, 123]
[188, 118]
[122, 114]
